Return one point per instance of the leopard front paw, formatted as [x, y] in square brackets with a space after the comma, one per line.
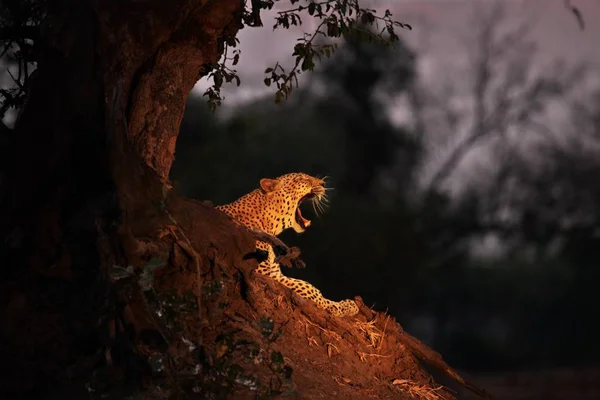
[343, 308]
[349, 307]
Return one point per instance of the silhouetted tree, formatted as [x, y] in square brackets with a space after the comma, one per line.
[496, 94]
[105, 268]
[359, 84]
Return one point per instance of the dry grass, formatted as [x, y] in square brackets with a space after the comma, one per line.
[279, 302]
[330, 348]
[370, 332]
[364, 356]
[373, 335]
[331, 333]
[341, 380]
[311, 340]
[417, 391]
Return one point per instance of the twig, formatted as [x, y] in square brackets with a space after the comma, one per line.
[576, 13]
[300, 8]
[187, 246]
[383, 334]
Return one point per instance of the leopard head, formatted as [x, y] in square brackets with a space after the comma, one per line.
[286, 193]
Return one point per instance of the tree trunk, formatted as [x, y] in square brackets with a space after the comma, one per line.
[111, 282]
[95, 142]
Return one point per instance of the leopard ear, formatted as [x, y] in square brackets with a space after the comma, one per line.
[270, 185]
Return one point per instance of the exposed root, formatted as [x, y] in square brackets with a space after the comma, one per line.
[417, 391]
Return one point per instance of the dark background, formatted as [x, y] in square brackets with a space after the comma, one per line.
[496, 276]
[475, 222]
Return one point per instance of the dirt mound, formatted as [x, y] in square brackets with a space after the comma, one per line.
[259, 338]
[191, 319]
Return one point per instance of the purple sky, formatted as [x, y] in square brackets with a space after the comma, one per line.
[437, 26]
[441, 29]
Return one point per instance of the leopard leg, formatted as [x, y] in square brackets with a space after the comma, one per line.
[304, 289]
[308, 291]
[268, 267]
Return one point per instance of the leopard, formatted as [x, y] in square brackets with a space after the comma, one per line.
[274, 207]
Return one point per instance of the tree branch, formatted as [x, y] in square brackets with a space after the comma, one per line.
[508, 98]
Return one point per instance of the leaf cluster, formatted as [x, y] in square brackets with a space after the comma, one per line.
[337, 19]
[221, 73]
[20, 23]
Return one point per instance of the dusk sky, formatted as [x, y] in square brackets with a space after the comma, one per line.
[437, 28]
[442, 31]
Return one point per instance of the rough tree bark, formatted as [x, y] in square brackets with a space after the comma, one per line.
[111, 282]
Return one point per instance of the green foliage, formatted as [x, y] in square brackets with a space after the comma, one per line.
[337, 19]
[220, 73]
[20, 22]
[277, 359]
[212, 288]
[266, 326]
[252, 144]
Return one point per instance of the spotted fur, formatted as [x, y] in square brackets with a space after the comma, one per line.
[272, 209]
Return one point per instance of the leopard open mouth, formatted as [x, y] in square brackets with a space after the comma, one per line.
[300, 220]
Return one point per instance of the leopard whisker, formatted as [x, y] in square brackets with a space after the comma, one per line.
[322, 206]
[316, 205]
[315, 208]
[324, 201]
